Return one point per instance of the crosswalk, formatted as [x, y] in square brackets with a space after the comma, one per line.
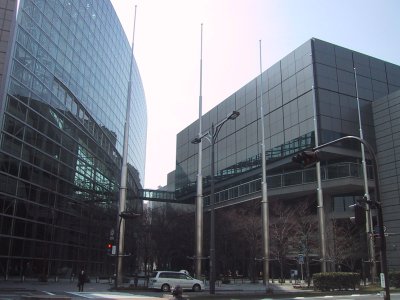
[112, 295]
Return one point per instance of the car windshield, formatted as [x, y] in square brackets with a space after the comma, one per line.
[154, 274]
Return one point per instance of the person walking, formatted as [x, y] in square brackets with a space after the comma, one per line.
[177, 293]
[81, 279]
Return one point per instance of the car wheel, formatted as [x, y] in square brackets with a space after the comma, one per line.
[165, 288]
[196, 288]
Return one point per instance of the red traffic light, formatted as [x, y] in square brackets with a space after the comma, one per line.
[306, 158]
[109, 246]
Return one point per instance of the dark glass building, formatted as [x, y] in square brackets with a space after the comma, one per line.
[65, 71]
[387, 129]
[317, 76]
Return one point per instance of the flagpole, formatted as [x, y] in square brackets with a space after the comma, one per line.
[264, 201]
[368, 215]
[199, 194]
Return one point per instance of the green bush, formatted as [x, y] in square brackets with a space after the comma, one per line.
[336, 281]
[394, 279]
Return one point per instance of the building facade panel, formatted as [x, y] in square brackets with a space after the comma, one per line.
[65, 97]
[7, 20]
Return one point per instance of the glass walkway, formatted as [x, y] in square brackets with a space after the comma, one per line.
[305, 176]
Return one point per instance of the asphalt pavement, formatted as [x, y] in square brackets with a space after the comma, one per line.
[64, 289]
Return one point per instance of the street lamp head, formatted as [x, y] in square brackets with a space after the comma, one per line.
[307, 158]
[128, 215]
[234, 115]
[196, 141]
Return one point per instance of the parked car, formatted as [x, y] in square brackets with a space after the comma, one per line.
[167, 280]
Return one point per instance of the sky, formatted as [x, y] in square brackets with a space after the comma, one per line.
[167, 45]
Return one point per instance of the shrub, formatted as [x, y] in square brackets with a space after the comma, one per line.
[394, 279]
[43, 278]
[336, 281]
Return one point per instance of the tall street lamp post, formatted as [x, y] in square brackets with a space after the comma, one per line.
[368, 215]
[123, 188]
[199, 194]
[212, 137]
[375, 203]
[125, 215]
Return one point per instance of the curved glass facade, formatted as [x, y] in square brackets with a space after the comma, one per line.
[63, 112]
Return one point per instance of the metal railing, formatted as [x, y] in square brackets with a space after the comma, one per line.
[330, 172]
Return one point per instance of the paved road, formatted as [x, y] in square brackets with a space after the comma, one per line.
[48, 294]
[14, 295]
[16, 290]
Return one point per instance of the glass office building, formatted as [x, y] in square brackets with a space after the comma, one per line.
[318, 78]
[65, 71]
[386, 118]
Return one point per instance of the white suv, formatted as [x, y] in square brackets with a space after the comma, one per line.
[167, 280]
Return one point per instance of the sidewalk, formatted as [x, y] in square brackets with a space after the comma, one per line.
[63, 289]
[256, 287]
[62, 285]
[67, 285]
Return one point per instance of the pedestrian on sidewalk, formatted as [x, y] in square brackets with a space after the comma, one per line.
[81, 279]
[177, 293]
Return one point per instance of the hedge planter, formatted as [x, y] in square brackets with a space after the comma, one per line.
[336, 281]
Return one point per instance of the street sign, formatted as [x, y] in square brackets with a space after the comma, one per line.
[376, 229]
[114, 250]
[300, 259]
[383, 280]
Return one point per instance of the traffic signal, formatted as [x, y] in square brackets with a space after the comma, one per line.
[109, 247]
[359, 216]
[306, 158]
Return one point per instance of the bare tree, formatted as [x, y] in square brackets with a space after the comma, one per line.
[239, 238]
[282, 227]
[172, 232]
[159, 228]
[145, 243]
[306, 232]
[347, 244]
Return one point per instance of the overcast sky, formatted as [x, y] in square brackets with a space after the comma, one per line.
[167, 51]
